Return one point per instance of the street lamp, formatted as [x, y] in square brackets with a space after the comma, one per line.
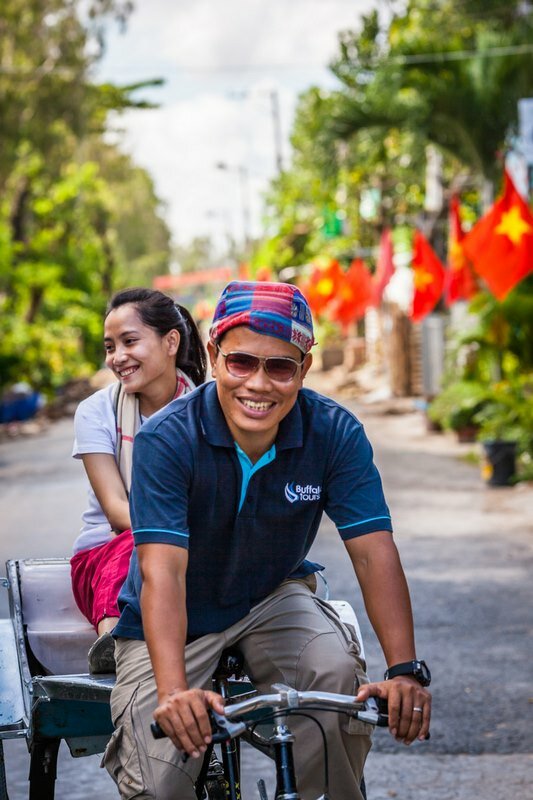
[244, 187]
[274, 108]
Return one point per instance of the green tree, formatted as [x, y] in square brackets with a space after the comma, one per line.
[451, 70]
[77, 218]
[141, 235]
[446, 73]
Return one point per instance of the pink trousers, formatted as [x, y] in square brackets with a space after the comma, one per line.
[97, 577]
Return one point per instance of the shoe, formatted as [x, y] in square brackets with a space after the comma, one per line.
[101, 656]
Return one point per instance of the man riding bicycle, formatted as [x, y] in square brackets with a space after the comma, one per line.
[229, 486]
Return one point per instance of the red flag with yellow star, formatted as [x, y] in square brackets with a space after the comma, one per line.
[500, 245]
[460, 282]
[323, 284]
[353, 296]
[428, 278]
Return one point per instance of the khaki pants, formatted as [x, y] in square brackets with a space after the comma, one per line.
[291, 637]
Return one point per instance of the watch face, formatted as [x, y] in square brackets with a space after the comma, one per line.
[422, 673]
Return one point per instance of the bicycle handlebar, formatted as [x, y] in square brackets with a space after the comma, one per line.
[286, 698]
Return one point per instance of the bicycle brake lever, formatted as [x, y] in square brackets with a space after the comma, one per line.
[221, 726]
[225, 729]
[222, 730]
[373, 712]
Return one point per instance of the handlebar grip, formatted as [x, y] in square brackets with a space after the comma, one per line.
[220, 736]
[383, 712]
[383, 715]
[157, 731]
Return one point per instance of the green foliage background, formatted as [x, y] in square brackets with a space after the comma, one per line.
[78, 219]
[444, 75]
[440, 73]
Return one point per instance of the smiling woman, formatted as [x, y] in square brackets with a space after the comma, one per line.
[154, 349]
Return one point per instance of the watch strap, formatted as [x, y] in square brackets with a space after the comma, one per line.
[417, 669]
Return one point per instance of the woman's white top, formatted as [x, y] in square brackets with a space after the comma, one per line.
[95, 430]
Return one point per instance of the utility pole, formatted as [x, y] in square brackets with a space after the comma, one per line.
[244, 180]
[244, 188]
[274, 106]
[276, 120]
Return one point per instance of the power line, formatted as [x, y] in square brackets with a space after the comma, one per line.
[450, 55]
[414, 58]
[491, 52]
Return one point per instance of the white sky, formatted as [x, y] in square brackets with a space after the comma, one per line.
[221, 59]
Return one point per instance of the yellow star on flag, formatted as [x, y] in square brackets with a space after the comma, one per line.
[456, 256]
[513, 225]
[422, 279]
[325, 287]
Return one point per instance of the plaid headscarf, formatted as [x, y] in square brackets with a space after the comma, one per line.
[275, 309]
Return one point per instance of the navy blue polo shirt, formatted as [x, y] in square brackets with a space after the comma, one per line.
[247, 527]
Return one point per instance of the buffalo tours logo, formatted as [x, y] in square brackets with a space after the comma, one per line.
[295, 492]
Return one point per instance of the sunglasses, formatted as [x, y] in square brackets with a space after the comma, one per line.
[279, 368]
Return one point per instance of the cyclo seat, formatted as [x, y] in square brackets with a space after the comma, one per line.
[58, 634]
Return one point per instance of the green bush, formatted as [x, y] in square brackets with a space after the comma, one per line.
[508, 414]
[457, 405]
[45, 356]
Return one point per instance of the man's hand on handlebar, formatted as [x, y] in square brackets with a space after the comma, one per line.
[409, 706]
[183, 717]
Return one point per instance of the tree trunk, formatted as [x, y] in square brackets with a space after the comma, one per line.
[18, 212]
[36, 298]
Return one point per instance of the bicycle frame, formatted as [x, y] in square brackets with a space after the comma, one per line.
[229, 667]
[280, 743]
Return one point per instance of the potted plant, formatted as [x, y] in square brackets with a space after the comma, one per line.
[455, 408]
[506, 429]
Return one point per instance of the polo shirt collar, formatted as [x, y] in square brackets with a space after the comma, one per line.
[290, 433]
[217, 433]
[213, 421]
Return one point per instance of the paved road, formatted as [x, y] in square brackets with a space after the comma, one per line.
[468, 553]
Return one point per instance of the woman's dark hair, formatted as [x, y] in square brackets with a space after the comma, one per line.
[158, 311]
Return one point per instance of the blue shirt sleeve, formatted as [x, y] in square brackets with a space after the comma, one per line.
[159, 490]
[354, 498]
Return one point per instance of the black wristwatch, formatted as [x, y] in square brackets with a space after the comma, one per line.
[417, 669]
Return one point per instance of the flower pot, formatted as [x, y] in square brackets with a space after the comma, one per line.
[467, 434]
[499, 463]
[432, 426]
